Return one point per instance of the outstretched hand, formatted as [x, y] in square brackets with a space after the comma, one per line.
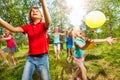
[114, 40]
[111, 40]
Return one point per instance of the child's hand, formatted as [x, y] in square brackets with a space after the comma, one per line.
[111, 40]
[114, 40]
[88, 41]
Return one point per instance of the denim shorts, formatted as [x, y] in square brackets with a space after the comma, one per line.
[41, 63]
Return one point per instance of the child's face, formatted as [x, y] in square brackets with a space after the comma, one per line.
[7, 32]
[83, 34]
[56, 29]
[36, 14]
[70, 33]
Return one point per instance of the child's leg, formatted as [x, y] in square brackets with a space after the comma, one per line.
[72, 53]
[68, 54]
[61, 48]
[3, 58]
[55, 50]
[11, 57]
[77, 72]
[58, 51]
[80, 63]
[3, 55]
[83, 71]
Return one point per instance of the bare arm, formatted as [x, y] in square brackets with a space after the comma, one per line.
[62, 34]
[100, 40]
[10, 27]
[110, 40]
[46, 13]
[8, 38]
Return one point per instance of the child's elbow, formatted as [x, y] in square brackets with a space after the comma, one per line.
[47, 24]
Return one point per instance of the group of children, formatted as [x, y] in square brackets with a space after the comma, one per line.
[58, 43]
[76, 44]
[38, 57]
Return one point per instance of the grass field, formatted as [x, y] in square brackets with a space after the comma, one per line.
[102, 63]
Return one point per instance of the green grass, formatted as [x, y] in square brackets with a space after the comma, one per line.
[102, 63]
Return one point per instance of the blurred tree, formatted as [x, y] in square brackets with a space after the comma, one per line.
[59, 12]
[16, 12]
[112, 11]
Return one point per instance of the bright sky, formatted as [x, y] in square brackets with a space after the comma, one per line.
[78, 11]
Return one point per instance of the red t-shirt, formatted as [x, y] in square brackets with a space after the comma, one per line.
[37, 38]
[10, 43]
[48, 41]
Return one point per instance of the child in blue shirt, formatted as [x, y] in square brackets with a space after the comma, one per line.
[69, 46]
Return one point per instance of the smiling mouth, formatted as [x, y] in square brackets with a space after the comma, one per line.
[34, 14]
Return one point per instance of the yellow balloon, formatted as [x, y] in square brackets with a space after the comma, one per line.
[95, 19]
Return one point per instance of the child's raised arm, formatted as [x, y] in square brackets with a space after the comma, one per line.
[46, 13]
[10, 27]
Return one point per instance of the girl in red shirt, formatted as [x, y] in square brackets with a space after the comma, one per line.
[11, 48]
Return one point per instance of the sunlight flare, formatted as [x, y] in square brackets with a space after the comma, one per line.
[78, 11]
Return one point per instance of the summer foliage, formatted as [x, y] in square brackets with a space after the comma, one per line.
[102, 62]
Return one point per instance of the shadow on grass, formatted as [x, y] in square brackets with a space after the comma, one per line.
[101, 72]
[93, 57]
[10, 72]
